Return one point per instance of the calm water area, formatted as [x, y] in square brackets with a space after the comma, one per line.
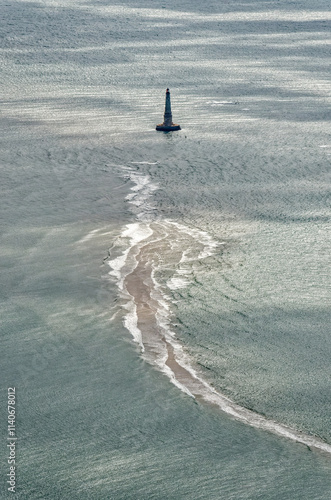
[165, 297]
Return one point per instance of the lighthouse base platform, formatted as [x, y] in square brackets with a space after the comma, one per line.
[167, 128]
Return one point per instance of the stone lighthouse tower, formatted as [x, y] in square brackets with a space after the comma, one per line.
[167, 125]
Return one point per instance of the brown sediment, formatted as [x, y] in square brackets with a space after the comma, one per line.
[139, 284]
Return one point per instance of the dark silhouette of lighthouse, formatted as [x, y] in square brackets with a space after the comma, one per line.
[167, 125]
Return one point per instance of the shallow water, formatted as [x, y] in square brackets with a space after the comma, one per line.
[228, 219]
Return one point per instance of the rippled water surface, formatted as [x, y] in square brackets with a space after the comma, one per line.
[165, 299]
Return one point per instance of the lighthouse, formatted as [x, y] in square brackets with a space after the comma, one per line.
[167, 125]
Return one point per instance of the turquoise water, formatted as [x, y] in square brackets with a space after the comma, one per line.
[233, 215]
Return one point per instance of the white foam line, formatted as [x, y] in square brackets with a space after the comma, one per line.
[114, 315]
[221, 103]
[256, 420]
[140, 194]
[90, 235]
[176, 283]
[136, 233]
[238, 412]
[144, 163]
[202, 236]
[117, 265]
[184, 257]
[165, 369]
[131, 322]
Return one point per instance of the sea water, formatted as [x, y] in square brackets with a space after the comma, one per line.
[221, 230]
